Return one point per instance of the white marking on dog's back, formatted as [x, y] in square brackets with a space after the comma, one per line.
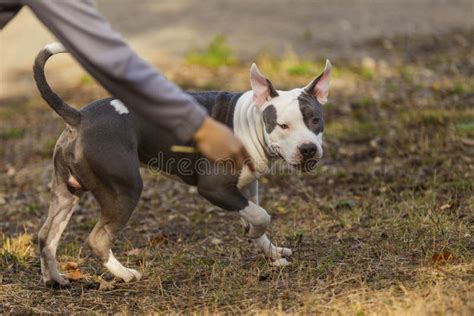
[55, 48]
[119, 106]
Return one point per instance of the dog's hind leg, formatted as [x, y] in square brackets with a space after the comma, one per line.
[263, 242]
[60, 211]
[117, 205]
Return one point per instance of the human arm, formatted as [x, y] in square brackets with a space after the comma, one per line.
[106, 56]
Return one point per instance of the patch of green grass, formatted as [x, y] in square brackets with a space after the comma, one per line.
[304, 68]
[366, 101]
[71, 250]
[16, 250]
[458, 88]
[459, 185]
[88, 224]
[364, 130]
[407, 74]
[356, 131]
[290, 64]
[364, 73]
[465, 129]
[433, 118]
[216, 55]
[31, 208]
[439, 118]
[8, 112]
[12, 133]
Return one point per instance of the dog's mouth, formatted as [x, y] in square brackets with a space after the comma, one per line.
[307, 165]
[303, 166]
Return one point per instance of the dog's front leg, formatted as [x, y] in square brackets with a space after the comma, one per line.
[223, 192]
[263, 242]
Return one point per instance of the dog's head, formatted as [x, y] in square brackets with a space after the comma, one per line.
[293, 120]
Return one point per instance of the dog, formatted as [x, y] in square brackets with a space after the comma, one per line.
[105, 143]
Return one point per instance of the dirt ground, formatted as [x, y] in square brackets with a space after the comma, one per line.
[385, 226]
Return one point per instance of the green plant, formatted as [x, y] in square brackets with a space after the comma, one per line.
[16, 250]
[301, 69]
[12, 133]
[217, 54]
[465, 128]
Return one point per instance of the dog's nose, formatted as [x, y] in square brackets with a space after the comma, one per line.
[308, 150]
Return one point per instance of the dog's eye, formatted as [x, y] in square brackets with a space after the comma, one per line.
[315, 120]
[284, 126]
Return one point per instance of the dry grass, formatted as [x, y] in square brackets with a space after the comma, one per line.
[384, 228]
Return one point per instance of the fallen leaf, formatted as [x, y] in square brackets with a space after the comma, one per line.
[443, 257]
[74, 275]
[72, 271]
[71, 266]
[158, 240]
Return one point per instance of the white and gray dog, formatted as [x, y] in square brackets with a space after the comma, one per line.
[105, 143]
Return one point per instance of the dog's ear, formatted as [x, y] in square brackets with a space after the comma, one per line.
[319, 87]
[262, 88]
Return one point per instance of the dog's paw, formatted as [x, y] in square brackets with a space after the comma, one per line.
[130, 275]
[282, 262]
[121, 272]
[56, 281]
[277, 253]
[285, 252]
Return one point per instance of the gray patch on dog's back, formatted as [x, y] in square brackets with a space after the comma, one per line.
[312, 112]
[220, 105]
[270, 118]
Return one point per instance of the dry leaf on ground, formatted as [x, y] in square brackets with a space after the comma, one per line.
[72, 271]
[443, 257]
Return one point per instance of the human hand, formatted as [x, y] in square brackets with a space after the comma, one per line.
[216, 142]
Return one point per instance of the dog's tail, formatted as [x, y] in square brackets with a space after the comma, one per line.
[70, 115]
